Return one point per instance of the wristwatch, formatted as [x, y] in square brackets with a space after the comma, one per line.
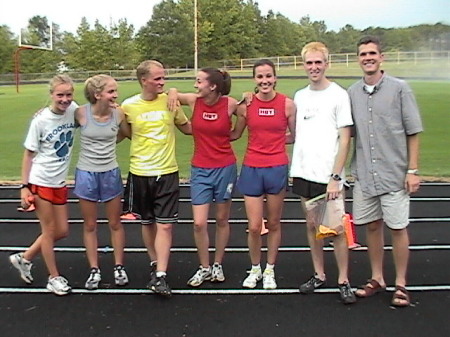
[23, 186]
[336, 177]
[413, 171]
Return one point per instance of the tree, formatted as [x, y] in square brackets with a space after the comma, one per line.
[7, 47]
[168, 36]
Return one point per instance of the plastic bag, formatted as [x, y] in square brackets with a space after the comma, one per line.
[327, 216]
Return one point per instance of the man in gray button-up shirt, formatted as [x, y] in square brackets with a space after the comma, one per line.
[385, 164]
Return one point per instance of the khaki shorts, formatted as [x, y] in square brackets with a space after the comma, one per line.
[392, 207]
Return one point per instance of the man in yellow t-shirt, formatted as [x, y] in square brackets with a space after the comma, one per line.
[152, 189]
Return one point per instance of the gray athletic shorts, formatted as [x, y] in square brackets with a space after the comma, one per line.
[392, 207]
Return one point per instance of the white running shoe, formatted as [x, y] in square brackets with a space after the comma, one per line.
[23, 266]
[93, 280]
[120, 275]
[254, 276]
[58, 285]
[269, 279]
[202, 274]
[217, 273]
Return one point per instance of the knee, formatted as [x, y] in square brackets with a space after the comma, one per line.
[199, 227]
[61, 234]
[90, 227]
[222, 222]
[375, 226]
[115, 226]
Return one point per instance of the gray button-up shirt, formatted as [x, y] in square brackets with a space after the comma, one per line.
[383, 120]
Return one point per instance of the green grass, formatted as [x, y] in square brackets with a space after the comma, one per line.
[16, 111]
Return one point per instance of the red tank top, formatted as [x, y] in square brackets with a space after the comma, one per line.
[267, 125]
[211, 128]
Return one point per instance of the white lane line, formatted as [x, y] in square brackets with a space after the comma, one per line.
[108, 249]
[141, 291]
[190, 221]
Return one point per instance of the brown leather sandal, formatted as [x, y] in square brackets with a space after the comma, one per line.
[372, 287]
[401, 297]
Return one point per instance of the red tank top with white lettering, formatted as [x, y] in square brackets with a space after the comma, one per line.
[267, 125]
[211, 127]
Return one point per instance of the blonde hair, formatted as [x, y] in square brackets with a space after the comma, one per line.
[144, 69]
[95, 85]
[315, 47]
[59, 79]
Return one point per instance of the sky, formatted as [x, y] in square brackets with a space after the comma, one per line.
[335, 13]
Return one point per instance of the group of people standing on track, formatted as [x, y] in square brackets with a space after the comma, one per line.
[379, 111]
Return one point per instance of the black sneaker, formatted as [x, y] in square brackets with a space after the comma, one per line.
[152, 281]
[161, 287]
[313, 283]
[347, 295]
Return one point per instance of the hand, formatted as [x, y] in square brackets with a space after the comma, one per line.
[412, 183]
[333, 189]
[172, 100]
[26, 198]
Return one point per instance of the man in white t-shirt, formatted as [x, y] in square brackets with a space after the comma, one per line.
[323, 133]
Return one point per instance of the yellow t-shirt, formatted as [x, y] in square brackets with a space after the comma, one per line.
[152, 149]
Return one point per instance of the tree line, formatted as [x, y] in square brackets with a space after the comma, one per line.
[227, 30]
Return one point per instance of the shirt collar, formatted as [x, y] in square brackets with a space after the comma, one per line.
[377, 85]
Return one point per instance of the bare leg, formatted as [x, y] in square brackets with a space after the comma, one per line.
[275, 204]
[54, 226]
[113, 208]
[200, 213]
[148, 236]
[89, 213]
[315, 245]
[163, 243]
[254, 209]
[222, 229]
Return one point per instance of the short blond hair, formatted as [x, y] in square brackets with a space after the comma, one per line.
[95, 85]
[59, 79]
[315, 47]
[144, 69]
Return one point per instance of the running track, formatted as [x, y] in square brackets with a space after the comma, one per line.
[225, 309]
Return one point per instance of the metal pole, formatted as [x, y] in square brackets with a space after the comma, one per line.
[195, 39]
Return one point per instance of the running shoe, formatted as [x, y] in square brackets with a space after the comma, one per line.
[120, 275]
[269, 279]
[23, 266]
[58, 285]
[312, 284]
[254, 276]
[217, 273]
[93, 280]
[202, 274]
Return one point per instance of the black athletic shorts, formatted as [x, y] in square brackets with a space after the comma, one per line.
[307, 189]
[153, 199]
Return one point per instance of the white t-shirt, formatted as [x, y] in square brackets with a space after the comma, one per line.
[320, 113]
[51, 137]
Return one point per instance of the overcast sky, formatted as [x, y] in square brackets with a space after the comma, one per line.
[335, 13]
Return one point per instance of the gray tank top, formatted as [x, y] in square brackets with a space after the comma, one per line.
[98, 143]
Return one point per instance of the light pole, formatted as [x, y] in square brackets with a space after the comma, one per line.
[195, 39]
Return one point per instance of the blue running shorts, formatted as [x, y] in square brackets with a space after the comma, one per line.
[256, 181]
[98, 186]
[212, 184]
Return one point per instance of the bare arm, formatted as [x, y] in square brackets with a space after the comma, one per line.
[241, 122]
[124, 127]
[412, 181]
[185, 128]
[339, 161]
[176, 98]
[25, 193]
[290, 115]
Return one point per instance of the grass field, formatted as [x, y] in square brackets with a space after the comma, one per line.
[17, 109]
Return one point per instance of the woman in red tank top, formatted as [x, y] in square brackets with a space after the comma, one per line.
[213, 172]
[264, 171]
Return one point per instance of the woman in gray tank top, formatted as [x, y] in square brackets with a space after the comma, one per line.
[97, 175]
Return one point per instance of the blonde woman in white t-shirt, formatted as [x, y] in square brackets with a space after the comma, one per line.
[48, 148]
